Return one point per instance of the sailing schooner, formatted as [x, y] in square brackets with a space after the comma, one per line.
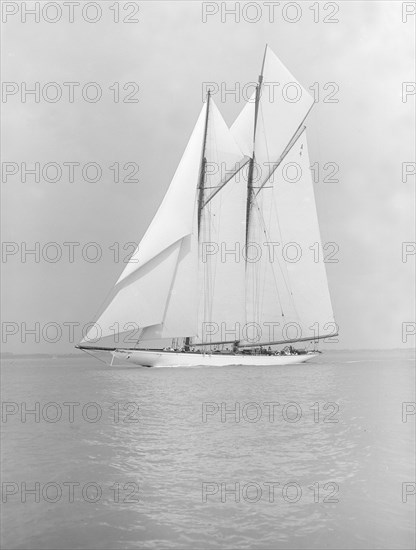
[225, 268]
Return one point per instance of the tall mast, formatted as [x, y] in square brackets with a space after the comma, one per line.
[253, 158]
[203, 165]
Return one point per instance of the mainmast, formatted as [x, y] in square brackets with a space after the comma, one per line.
[201, 184]
[253, 158]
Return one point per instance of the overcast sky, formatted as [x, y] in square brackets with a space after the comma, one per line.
[170, 53]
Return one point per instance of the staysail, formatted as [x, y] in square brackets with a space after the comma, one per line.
[287, 289]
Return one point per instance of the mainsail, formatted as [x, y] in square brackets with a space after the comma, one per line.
[287, 295]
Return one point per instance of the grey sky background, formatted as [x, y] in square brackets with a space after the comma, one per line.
[369, 133]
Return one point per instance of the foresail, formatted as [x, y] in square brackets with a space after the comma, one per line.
[143, 291]
[174, 218]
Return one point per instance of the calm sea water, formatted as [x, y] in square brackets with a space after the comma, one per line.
[314, 456]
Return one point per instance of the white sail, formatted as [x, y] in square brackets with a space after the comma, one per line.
[143, 289]
[243, 127]
[287, 290]
[180, 316]
[174, 218]
[135, 302]
[284, 298]
[222, 266]
[282, 107]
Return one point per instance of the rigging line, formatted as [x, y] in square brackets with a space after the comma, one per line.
[251, 280]
[215, 226]
[260, 303]
[267, 145]
[263, 287]
[206, 267]
[284, 271]
[274, 274]
[254, 272]
[256, 267]
[259, 286]
[264, 276]
[213, 269]
[208, 273]
[283, 275]
[251, 273]
[210, 270]
[170, 288]
[292, 142]
[269, 225]
[280, 235]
